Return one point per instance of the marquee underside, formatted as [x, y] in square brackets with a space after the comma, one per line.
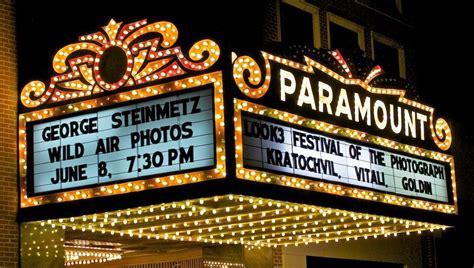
[236, 220]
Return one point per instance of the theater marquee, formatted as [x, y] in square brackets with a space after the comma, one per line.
[157, 120]
[151, 138]
[308, 126]
[123, 131]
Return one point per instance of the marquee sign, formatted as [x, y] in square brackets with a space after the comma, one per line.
[94, 131]
[156, 119]
[310, 127]
[152, 138]
[292, 150]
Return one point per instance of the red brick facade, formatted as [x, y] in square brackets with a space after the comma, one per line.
[270, 30]
[9, 234]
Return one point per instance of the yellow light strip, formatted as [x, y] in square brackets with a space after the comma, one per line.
[376, 71]
[89, 255]
[245, 220]
[220, 264]
[326, 187]
[186, 84]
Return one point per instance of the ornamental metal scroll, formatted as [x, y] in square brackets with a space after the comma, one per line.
[254, 83]
[141, 53]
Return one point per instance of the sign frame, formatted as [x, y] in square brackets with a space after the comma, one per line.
[184, 85]
[30, 127]
[329, 135]
[334, 188]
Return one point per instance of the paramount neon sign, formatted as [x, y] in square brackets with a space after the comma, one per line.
[307, 126]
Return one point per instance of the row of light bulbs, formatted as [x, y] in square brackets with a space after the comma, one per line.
[222, 264]
[243, 220]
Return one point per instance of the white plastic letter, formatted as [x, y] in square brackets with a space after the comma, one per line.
[325, 99]
[284, 88]
[422, 118]
[410, 123]
[362, 110]
[380, 123]
[343, 106]
[306, 94]
[396, 128]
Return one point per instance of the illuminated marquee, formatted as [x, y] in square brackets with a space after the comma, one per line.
[401, 121]
[317, 110]
[283, 148]
[151, 138]
[67, 151]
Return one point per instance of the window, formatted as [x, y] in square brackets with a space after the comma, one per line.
[299, 23]
[389, 54]
[344, 34]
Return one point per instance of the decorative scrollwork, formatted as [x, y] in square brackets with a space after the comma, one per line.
[248, 77]
[141, 53]
[34, 94]
[441, 133]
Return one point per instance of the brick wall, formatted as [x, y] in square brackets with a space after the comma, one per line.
[8, 128]
[323, 24]
[272, 21]
[397, 27]
[277, 257]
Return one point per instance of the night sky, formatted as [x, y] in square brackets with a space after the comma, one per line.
[443, 59]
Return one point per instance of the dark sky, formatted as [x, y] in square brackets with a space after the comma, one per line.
[443, 57]
[444, 63]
